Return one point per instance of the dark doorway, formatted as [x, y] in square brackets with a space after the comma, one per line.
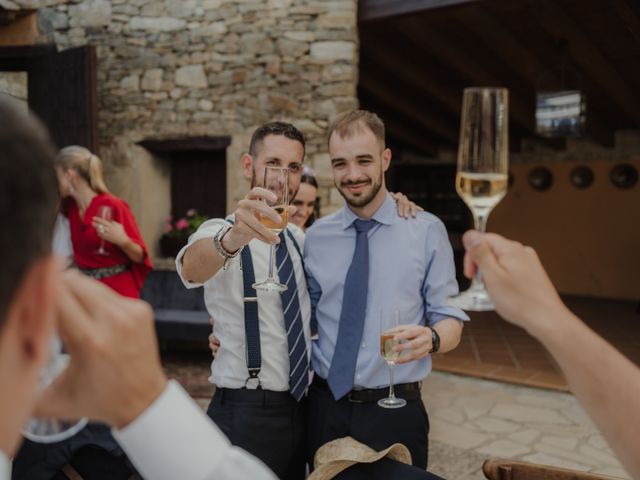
[62, 89]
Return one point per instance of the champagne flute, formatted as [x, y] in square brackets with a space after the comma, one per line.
[50, 430]
[389, 321]
[106, 212]
[483, 162]
[276, 180]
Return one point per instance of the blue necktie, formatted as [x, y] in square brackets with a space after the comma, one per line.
[354, 305]
[298, 361]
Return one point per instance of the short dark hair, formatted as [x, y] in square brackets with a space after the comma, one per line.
[348, 123]
[29, 196]
[274, 128]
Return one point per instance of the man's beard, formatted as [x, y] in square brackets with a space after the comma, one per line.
[362, 200]
[254, 183]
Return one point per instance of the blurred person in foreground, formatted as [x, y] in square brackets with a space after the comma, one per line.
[605, 382]
[114, 374]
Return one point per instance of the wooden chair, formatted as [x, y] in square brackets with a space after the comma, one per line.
[505, 469]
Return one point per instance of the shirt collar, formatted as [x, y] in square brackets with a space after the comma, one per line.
[385, 215]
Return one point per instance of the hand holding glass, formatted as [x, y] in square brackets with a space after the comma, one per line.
[389, 321]
[50, 430]
[105, 212]
[276, 180]
[483, 163]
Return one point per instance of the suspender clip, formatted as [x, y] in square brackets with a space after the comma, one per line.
[253, 375]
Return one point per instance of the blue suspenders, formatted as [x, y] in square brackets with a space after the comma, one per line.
[251, 322]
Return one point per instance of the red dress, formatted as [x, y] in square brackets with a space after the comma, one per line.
[85, 241]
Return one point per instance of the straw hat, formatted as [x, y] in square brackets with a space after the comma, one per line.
[338, 455]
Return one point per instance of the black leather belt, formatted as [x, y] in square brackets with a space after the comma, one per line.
[407, 391]
[257, 395]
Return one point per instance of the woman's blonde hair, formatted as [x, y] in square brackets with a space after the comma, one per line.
[88, 166]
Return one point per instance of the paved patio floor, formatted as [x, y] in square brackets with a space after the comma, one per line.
[473, 419]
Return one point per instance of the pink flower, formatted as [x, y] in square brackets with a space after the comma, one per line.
[191, 212]
[168, 228]
[182, 224]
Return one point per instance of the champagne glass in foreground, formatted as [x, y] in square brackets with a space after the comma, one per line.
[276, 180]
[389, 320]
[483, 162]
[50, 430]
[104, 211]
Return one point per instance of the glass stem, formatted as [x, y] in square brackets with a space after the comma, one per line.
[272, 251]
[392, 394]
[480, 224]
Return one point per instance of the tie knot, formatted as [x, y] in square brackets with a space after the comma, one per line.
[363, 225]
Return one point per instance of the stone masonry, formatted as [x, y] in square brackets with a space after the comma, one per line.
[180, 68]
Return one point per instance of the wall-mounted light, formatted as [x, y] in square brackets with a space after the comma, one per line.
[581, 177]
[540, 179]
[624, 175]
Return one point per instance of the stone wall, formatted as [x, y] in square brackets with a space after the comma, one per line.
[175, 68]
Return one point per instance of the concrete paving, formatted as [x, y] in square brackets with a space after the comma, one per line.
[473, 419]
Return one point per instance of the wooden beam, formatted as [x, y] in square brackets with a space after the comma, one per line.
[398, 126]
[469, 67]
[400, 59]
[207, 144]
[370, 10]
[412, 139]
[395, 97]
[590, 59]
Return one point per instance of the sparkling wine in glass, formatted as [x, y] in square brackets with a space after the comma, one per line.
[389, 320]
[482, 177]
[276, 180]
[50, 430]
[106, 212]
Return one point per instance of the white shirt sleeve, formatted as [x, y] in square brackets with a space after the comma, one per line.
[173, 438]
[208, 229]
[5, 467]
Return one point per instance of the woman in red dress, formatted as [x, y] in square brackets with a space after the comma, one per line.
[123, 263]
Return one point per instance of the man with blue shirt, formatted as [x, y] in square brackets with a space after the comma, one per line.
[360, 261]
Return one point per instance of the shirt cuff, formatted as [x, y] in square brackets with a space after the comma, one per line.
[5, 466]
[173, 438]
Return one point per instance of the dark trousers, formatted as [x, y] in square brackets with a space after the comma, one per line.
[269, 425]
[368, 423]
[93, 453]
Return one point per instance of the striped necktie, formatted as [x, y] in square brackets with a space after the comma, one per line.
[298, 360]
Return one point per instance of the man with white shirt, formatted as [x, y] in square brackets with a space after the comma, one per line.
[261, 370]
[114, 374]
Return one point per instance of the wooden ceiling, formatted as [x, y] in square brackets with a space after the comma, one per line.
[416, 57]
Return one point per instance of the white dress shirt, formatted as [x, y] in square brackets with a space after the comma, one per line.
[223, 295]
[5, 467]
[173, 438]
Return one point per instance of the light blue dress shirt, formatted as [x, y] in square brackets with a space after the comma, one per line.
[411, 269]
